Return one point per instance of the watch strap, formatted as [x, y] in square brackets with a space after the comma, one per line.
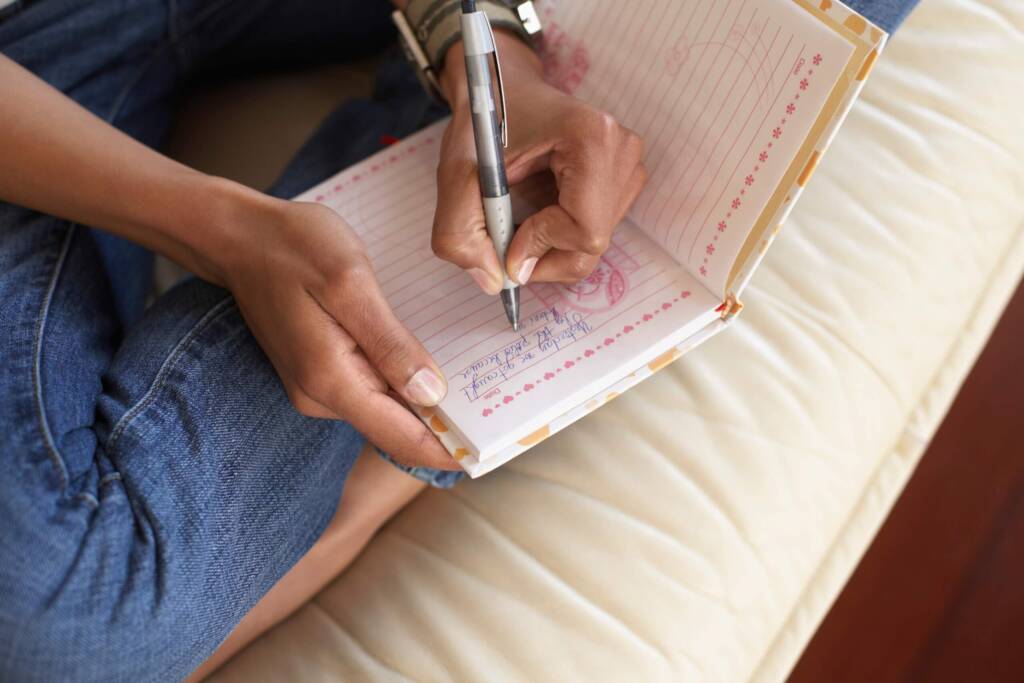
[438, 26]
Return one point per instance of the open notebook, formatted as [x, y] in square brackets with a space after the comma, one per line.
[736, 100]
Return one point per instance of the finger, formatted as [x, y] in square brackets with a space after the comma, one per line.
[633, 188]
[449, 464]
[392, 428]
[527, 165]
[391, 349]
[566, 267]
[460, 232]
[340, 379]
[364, 403]
[549, 228]
[309, 406]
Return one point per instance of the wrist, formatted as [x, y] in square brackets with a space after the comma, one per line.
[220, 217]
[519, 64]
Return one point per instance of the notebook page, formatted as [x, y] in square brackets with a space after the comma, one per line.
[724, 93]
[573, 341]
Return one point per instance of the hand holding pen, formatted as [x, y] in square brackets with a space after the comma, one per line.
[491, 138]
[596, 162]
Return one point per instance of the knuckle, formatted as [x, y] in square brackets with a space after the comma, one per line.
[353, 274]
[539, 230]
[645, 175]
[388, 347]
[445, 247]
[309, 384]
[579, 267]
[423, 442]
[301, 402]
[605, 126]
[455, 169]
[594, 243]
[635, 144]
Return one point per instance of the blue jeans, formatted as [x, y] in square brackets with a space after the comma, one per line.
[157, 482]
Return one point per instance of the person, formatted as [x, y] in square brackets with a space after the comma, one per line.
[180, 476]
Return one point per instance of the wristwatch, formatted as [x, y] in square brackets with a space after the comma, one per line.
[428, 28]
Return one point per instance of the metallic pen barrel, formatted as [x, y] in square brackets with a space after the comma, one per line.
[478, 42]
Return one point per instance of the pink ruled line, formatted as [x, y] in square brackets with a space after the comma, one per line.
[527, 301]
[395, 224]
[627, 42]
[743, 156]
[332, 192]
[621, 243]
[529, 297]
[602, 51]
[724, 159]
[447, 305]
[658, 152]
[435, 267]
[418, 284]
[447, 328]
[566, 346]
[659, 143]
[657, 51]
[371, 202]
[721, 106]
[503, 332]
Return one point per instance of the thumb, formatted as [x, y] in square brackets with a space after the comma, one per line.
[389, 346]
[460, 230]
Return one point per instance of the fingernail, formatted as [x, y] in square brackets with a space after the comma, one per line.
[526, 270]
[426, 388]
[484, 281]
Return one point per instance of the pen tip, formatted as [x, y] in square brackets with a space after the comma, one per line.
[510, 299]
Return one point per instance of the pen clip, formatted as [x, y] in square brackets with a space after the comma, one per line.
[501, 88]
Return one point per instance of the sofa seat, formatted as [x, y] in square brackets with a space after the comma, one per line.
[700, 526]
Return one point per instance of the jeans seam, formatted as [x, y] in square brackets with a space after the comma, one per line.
[37, 363]
[107, 478]
[211, 316]
[53, 453]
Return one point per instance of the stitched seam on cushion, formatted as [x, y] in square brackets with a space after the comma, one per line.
[37, 363]
[221, 308]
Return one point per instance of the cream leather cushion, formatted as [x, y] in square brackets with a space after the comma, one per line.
[699, 527]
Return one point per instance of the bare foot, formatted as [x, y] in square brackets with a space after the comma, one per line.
[374, 491]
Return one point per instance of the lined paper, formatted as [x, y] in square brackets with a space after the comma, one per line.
[724, 92]
[573, 341]
[716, 89]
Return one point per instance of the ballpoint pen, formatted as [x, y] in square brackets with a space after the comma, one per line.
[480, 48]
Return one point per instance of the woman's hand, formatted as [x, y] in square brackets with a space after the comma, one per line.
[307, 290]
[597, 165]
[298, 271]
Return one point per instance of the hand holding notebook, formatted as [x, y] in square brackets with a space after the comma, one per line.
[736, 99]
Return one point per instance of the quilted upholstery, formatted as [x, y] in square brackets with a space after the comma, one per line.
[699, 527]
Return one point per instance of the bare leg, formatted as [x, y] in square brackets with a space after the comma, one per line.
[374, 491]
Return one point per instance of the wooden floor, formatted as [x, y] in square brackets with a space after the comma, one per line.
[940, 594]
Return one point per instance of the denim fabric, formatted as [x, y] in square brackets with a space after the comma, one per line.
[886, 14]
[157, 482]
